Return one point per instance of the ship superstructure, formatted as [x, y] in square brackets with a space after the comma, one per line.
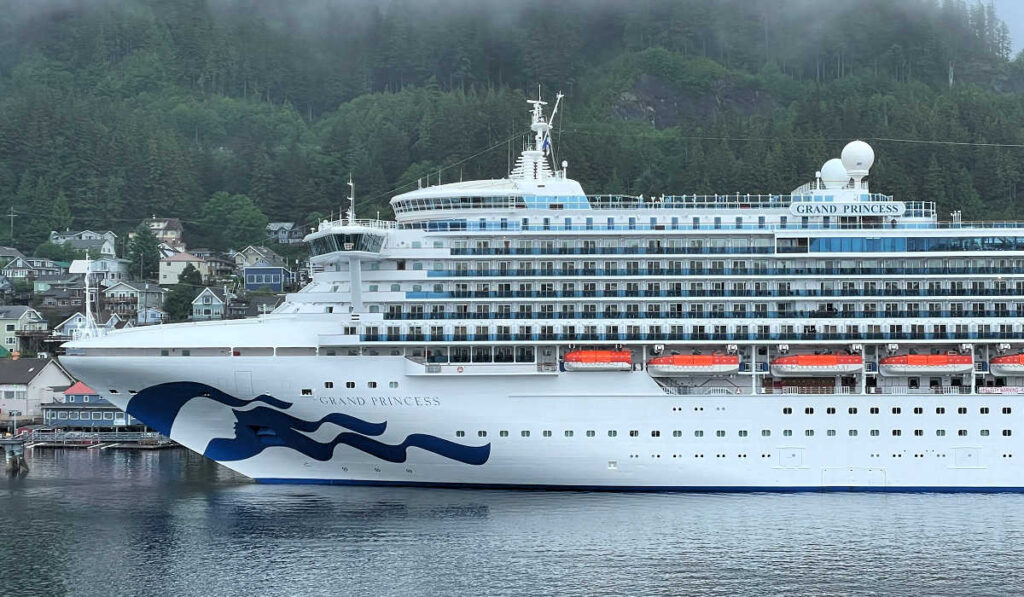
[518, 332]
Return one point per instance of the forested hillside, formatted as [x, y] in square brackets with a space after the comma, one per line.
[111, 111]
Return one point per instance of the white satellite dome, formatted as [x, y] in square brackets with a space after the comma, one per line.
[858, 158]
[834, 174]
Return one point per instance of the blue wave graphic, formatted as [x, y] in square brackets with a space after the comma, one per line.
[262, 427]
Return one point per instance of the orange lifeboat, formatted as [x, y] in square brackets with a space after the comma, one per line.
[599, 360]
[1007, 365]
[679, 365]
[950, 363]
[801, 365]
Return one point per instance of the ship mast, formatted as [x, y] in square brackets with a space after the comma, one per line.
[351, 201]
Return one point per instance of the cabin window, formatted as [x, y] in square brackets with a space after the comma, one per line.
[852, 433]
[1006, 410]
[634, 433]
[984, 432]
[962, 432]
[940, 432]
[743, 433]
[547, 433]
[460, 434]
[612, 433]
[787, 433]
[307, 391]
[328, 384]
[852, 410]
[591, 433]
[1007, 432]
[766, 433]
[655, 433]
[481, 434]
[350, 384]
[503, 433]
[568, 433]
[524, 433]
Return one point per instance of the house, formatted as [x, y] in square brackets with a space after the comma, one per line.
[263, 276]
[68, 280]
[18, 325]
[73, 326]
[220, 268]
[61, 298]
[101, 243]
[83, 408]
[130, 298]
[285, 232]
[105, 271]
[253, 305]
[171, 267]
[149, 316]
[210, 304]
[251, 255]
[30, 268]
[27, 384]
[9, 253]
[167, 231]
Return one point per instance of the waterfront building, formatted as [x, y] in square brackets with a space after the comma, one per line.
[27, 384]
[84, 409]
[19, 325]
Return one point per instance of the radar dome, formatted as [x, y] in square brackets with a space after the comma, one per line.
[858, 158]
[834, 175]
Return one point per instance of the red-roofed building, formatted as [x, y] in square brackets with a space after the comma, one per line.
[83, 408]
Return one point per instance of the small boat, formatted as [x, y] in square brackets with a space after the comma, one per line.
[1007, 365]
[800, 365]
[679, 365]
[950, 363]
[599, 360]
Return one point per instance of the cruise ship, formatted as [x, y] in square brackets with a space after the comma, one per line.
[519, 333]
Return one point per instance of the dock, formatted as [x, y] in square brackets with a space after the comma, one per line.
[97, 440]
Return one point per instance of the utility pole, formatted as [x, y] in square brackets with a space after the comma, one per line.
[12, 215]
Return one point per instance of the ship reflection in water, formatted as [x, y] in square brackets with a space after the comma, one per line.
[174, 523]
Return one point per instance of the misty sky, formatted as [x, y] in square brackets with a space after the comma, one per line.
[1012, 11]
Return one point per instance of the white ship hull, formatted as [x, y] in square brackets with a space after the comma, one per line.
[427, 430]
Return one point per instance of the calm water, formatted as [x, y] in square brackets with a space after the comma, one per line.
[171, 523]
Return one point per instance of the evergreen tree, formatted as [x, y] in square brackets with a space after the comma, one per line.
[190, 276]
[144, 253]
[178, 302]
[232, 221]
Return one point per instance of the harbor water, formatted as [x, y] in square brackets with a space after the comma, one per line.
[87, 522]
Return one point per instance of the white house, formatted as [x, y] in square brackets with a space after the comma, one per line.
[73, 326]
[171, 267]
[103, 242]
[32, 267]
[106, 271]
[252, 255]
[19, 318]
[27, 384]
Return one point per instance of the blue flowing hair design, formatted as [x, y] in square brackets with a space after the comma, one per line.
[262, 427]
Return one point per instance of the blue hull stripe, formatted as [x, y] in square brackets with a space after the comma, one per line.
[646, 489]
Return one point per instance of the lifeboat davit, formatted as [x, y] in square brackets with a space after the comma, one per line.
[1008, 365]
[679, 365]
[801, 365]
[950, 363]
[599, 360]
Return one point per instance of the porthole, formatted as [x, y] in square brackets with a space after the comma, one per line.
[328, 384]
[852, 410]
[983, 410]
[918, 432]
[698, 433]
[307, 392]
[546, 433]
[787, 433]
[962, 432]
[918, 410]
[962, 410]
[503, 433]
[524, 433]
[874, 410]
[568, 433]
[984, 432]
[766, 433]
[371, 384]
[787, 411]
[350, 384]
[612, 433]
[940, 410]
[808, 433]
[1006, 410]
[896, 410]
[677, 433]
[392, 384]
[874, 433]
[852, 433]
[720, 433]
[830, 410]
[655, 433]
[1007, 432]
[634, 433]
[591, 433]
[940, 433]
[460, 434]
[808, 411]
[831, 433]
[897, 432]
[743, 433]
[481, 434]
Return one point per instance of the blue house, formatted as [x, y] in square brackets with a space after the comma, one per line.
[83, 408]
[263, 276]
